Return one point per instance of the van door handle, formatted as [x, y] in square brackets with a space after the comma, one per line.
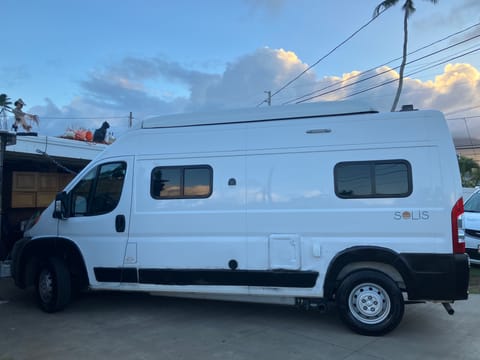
[120, 223]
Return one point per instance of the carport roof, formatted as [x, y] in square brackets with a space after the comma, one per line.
[54, 147]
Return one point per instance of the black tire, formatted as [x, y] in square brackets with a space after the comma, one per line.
[370, 303]
[53, 286]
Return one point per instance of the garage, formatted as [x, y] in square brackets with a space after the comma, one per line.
[35, 168]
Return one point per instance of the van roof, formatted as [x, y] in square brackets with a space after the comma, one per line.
[271, 113]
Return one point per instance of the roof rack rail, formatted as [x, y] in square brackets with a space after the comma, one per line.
[271, 113]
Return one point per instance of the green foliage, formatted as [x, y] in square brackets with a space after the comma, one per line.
[5, 102]
[474, 286]
[469, 171]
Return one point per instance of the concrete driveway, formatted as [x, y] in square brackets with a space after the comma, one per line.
[140, 326]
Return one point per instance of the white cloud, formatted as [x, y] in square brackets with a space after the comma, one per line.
[244, 81]
[154, 86]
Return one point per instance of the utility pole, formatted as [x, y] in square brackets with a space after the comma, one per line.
[130, 120]
[269, 98]
[6, 138]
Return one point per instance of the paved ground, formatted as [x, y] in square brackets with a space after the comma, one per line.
[139, 326]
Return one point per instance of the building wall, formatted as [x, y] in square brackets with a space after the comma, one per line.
[36, 154]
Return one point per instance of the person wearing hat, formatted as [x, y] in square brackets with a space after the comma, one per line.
[20, 116]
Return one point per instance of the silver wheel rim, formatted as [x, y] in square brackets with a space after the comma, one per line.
[45, 286]
[369, 303]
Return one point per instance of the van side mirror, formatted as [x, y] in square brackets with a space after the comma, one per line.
[60, 208]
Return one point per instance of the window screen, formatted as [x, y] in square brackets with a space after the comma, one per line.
[370, 179]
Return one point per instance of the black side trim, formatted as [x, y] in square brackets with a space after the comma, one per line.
[116, 274]
[358, 254]
[275, 278]
[220, 277]
[426, 276]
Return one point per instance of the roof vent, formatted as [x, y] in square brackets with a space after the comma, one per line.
[408, 108]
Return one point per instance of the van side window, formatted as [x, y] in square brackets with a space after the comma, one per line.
[181, 182]
[99, 191]
[373, 179]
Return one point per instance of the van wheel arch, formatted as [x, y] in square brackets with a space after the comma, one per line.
[358, 258]
[38, 251]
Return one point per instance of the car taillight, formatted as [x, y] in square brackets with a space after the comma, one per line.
[458, 236]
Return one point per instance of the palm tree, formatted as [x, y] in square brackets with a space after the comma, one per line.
[469, 171]
[408, 9]
[4, 107]
[4, 103]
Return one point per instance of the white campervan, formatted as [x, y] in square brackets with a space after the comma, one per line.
[303, 205]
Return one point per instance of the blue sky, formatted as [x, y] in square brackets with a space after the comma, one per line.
[101, 59]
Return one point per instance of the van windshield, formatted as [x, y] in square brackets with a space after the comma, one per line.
[473, 203]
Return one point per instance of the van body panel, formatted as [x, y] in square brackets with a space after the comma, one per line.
[255, 204]
[101, 244]
[191, 233]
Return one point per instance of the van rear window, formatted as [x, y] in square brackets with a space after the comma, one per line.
[373, 179]
[180, 182]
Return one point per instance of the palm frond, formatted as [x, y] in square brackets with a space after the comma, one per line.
[5, 101]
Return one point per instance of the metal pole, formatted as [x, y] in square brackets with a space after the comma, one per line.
[6, 138]
[269, 98]
[2, 153]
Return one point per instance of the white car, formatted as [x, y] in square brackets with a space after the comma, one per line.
[471, 222]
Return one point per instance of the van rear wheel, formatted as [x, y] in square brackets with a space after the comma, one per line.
[53, 285]
[370, 303]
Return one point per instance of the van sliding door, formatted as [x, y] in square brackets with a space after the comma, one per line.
[188, 222]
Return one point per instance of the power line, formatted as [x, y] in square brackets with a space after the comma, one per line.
[63, 167]
[323, 57]
[394, 80]
[386, 82]
[464, 117]
[442, 61]
[462, 110]
[296, 100]
[85, 117]
[410, 74]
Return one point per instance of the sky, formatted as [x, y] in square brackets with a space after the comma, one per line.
[79, 63]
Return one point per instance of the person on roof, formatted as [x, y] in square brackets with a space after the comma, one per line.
[20, 116]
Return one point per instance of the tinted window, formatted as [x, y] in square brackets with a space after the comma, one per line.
[365, 179]
[391, 179]
[99, 191]
[181, 182]
[168, 182]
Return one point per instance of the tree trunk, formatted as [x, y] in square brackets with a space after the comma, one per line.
[404, 62]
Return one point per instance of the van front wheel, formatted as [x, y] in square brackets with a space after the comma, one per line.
[370, 303]
[53, 285]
